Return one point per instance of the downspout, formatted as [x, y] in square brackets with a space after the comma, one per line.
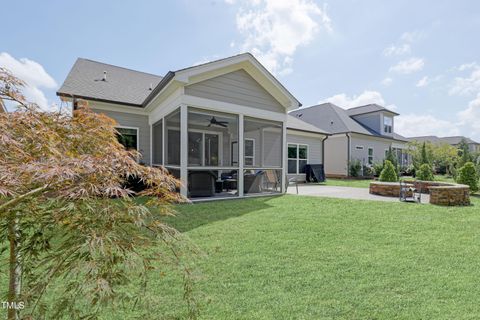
[348, 153]
[323, 151]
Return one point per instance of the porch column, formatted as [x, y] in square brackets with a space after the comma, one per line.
[183, 149]
[284, 161]
[241, 156]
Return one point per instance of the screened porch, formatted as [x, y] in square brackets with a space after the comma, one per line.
[217, 154]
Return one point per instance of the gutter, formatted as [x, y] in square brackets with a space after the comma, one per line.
[74, 96]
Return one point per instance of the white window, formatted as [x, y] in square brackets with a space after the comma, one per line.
[128, 137]
[387, 124]
[359, 147]
[370, 155]
[249, 153]
[297, 158]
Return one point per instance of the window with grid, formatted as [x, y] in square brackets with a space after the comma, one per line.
[370, 155]
[297, 158]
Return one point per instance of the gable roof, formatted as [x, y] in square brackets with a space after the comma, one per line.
[369, 108]
[135, 88]
[336, 120]
[124, 86]
[453, 140]
[295, 123]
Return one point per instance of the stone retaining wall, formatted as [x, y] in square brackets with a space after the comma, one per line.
[424, 186]
[453, 195]
[441, 193]
[386, 189]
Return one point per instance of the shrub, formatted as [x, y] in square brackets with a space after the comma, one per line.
[355, 168]
[425, 173]
[368, 171]
[389, 174]
[468, 175]
[377, 168]
[410, 170]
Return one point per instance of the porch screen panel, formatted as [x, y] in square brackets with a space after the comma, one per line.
[172, 122]
[267, 137]
[157, 139]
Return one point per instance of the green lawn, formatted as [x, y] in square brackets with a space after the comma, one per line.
[314, 258]
[347, 183]
[298, 257]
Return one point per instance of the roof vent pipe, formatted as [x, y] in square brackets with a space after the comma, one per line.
[104, 76]
[151, 87]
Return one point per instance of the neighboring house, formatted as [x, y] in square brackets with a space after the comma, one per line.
[363, 133]
[473, 146]
[221, 127]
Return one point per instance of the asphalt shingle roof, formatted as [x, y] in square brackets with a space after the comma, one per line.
[121, 85]
[369, 108]
[297, 124]
[454, 140]
[334, 119]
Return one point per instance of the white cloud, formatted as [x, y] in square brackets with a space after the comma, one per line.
[412, 36]
[467, 85]
[34, 76]
[423, 82]
[387, 81]
[273, 30]
[470, 117]
[467, 66]
[408, 66]
[397, 50]
[367, 97]
[404, 44]
[412, 125]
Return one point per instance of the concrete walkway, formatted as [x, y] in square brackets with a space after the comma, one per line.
[342, 192]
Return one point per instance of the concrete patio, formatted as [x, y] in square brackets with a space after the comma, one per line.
[318, 190]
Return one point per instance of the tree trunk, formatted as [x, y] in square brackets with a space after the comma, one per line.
[15, 282]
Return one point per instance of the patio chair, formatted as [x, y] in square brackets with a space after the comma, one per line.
[290, 181]
[271, 179]
[252, 182]
[201, 183]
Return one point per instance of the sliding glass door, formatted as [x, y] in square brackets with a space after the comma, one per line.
[203, 148]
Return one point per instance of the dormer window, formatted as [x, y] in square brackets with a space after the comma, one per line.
[387, 124]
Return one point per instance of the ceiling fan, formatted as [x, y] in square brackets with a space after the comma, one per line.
[215, 122]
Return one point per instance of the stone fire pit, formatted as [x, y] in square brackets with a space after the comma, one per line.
[441, 193]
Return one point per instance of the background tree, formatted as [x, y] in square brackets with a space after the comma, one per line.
[424, 158]
[464, 153]
[420, 152]
[392, 157]
[67, 220]
[445, 158]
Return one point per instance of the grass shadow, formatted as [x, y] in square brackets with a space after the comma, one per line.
[192, 216]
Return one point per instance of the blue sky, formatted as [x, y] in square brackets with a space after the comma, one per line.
[420, 58]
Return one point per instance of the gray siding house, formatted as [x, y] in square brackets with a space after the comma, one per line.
[473, 146]
[362, 133]
[221, 127]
